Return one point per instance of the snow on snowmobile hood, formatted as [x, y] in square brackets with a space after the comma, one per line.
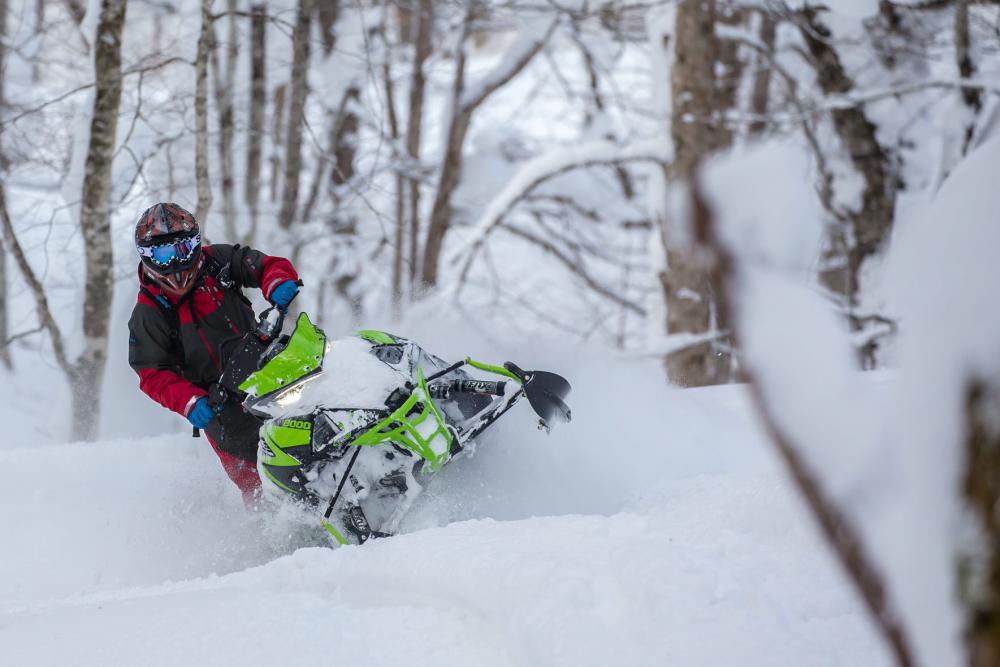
[352, 378]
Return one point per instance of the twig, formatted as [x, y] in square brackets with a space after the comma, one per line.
[575, 267]
[87, 86]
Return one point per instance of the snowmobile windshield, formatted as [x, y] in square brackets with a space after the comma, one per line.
[290, 367]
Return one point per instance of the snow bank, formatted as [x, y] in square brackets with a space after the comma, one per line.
[635, 589]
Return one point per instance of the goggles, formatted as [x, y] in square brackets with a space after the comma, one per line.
[178, 251]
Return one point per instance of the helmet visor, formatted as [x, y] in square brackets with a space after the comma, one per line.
[175, 252]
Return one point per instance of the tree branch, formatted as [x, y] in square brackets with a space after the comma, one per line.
[543, 168]
[37, 291]
[87, 86]
[841, 536]
[574, 266]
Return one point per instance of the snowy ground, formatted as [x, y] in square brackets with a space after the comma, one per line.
[668, 537]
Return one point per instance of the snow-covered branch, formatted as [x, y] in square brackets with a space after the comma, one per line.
[527, 45]
[574, 267]
[541, 169]
[866, 97]
[755, 246]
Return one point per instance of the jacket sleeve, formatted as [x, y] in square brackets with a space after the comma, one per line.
[150, 356]
[252, 268]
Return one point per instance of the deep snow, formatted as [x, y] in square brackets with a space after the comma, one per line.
[609, 542]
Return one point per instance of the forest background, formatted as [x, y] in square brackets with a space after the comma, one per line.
[777, 193]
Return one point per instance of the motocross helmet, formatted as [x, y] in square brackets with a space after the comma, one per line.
[168, 241]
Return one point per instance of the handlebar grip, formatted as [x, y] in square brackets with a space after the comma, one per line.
[444, 389]
[481, 387]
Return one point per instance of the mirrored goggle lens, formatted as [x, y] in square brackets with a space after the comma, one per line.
[163, 254]
[180, 251]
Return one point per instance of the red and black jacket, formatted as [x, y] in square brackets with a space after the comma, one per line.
[176, 371]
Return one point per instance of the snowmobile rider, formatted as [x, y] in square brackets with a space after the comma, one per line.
[190, 312]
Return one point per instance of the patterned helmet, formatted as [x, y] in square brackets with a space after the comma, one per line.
[168, 241]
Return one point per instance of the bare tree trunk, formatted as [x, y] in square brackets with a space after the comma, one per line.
[461, 117]
[345, 139]
[979, 570]
[761, 93]
[39, 28]
[277, 131]
[95, 220]
[258, 105]
[224, 83]
[339, 151]
[396, 287]
[414, 124]
[966, 69]
[327, 13]
[4, 330]
[205, 46]
[452, 165]
[76, 9]
[700, 100]
[870, 226]
[296, 114]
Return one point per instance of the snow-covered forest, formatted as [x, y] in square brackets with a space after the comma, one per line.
[760, 239]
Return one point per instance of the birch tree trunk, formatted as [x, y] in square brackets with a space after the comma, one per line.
[414, 125]
[201, 116]
[296, 114]
[95, 220]
[258, 106]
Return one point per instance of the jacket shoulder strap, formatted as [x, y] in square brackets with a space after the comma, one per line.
[173, 319]
[220, 271]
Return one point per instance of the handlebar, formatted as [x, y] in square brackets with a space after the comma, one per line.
[443, 390]
[269, 324]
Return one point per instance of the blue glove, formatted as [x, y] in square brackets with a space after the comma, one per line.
[201, 414]
[283, 294]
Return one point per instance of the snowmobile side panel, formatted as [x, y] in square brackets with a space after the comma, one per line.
[285, 445]
[277, 482]
[302, 356]
[280, 436]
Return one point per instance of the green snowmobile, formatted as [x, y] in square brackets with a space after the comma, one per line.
[353, 426]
